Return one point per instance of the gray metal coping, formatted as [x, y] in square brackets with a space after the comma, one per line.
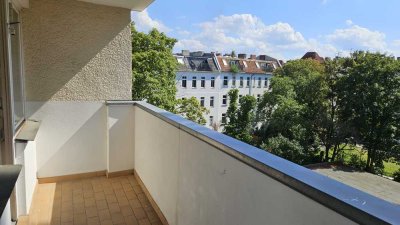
[28, 131]
[352, 203]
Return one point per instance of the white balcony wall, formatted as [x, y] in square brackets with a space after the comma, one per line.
[25, 187]
[72, 137]
[193, 182]
[120, 152]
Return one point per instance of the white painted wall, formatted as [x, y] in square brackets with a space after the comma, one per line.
[120, 154]
[72, 137]
[195, 183]
[5, 218]
[157, 161]
[219, 90]
[26, 183]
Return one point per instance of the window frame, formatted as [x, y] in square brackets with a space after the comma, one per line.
[203, 82]
[184, 82]
[212, 101]
[194, 82]
[225, 81]
[224, 100]
[212, 83]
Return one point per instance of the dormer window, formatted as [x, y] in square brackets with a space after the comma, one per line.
[224, 61]
[245, 64]
[258, 65]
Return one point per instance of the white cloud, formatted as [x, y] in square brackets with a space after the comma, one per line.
[247, 33]
[144, 23]
[357, 37]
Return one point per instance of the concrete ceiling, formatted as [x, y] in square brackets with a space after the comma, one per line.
[136, 5]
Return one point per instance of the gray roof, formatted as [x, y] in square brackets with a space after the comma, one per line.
[373, 184]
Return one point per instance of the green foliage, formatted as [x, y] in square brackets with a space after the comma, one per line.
[231, 114]
[233, 54]
[240, 117]
[396, 176]
[285, 148]
[191, 109]
[294, 107]
[369, 100]
[153, 68]
[234, 68]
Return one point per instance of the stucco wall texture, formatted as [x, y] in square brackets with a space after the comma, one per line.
[76, 51]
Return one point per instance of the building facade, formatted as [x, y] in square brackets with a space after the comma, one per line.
[210, 76]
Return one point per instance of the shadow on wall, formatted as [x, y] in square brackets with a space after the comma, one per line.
[73, 143]
[76, 51]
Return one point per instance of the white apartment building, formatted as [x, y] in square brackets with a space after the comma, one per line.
[209, 78]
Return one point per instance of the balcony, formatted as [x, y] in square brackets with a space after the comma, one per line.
[185, 173]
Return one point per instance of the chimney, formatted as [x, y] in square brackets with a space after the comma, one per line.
[242, 56]
[253, 56]
[262, 57]
[198, 53]
[185, 52]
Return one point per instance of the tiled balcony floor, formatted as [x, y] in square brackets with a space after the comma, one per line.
[114, 201]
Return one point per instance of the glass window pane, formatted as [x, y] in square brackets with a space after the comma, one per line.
[16, 70]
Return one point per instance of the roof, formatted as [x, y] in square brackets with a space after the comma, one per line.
[373, 184]
[136, 5]
[244, 65]
[314, 56]
[200, 61]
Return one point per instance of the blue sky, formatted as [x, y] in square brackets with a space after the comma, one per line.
[283, 29]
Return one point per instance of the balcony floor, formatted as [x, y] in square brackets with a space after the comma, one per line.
[94, 201]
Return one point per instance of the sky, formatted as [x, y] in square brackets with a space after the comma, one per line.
[283, 29]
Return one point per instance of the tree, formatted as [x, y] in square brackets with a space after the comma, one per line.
[230, 127]
[285, 148]
[191, 109]
[240, 117]
[293, 108]
[153, 68]
[233, 54]
[369, 100]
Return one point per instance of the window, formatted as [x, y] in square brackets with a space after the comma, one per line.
[240, 96]
[202, 101]
[18, 99]
[225, 81]
[224, 99]
[224, 62]
[248, 82]
[203, 82]
[212, 101]
[266, 82]
[194, 82]
[258, 65]
[234, 81]
[184, 79]
[212, 82]
[241, 82]
[259, 82]
[211, 120]
[223, 119]
[258, 97]
[245, 64]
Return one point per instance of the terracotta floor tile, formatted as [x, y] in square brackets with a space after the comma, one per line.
[91, 212]
[114, 208]
[139, 213]
[101, 204]
[97, 200]
[106, 222]
[144, 222]
[126, 210]
[131, 220]
[104, 214]
[117, 218]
